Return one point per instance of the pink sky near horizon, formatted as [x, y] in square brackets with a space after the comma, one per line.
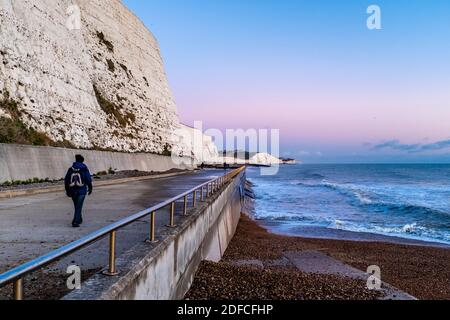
[326, 117]
[313, 70]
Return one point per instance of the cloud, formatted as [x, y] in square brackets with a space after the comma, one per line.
[309, 153]
[412, 148]
[437, 145]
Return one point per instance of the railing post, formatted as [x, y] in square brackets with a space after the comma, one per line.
[203, 195]
[18, 289]
[194, 204]
[172, 215]
[152, 238]
[185, 205]
[112, 256]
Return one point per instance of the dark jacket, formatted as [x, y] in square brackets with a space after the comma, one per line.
[86, 179]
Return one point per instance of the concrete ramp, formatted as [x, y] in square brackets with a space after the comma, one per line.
[319, 263]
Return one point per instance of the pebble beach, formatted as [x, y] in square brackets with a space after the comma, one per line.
[251, 269]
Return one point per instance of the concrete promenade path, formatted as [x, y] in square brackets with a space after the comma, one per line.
[35, 225]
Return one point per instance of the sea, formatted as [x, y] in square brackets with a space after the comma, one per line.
[347, 201]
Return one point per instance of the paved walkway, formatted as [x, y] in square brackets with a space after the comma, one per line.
[34, 225]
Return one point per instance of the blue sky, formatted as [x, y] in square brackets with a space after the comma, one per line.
[337, 91]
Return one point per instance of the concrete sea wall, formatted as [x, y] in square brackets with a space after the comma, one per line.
[166, 271]
[19, 162]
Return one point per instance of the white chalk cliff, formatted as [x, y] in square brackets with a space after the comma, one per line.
[193, 143]
[102, 86]
[251, 158]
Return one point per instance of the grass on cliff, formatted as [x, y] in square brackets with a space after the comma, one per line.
[111, 66]
[13, 130]
[167, 151]
[112, 109]
[107, 43]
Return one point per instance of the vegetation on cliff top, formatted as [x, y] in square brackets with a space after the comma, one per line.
[13, 130]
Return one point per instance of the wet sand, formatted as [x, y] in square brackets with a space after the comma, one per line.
[315, 232]
[421, 271]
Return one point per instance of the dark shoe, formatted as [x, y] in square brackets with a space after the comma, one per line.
[74, 225]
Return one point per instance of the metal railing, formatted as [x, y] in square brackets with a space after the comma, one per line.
[207, 189]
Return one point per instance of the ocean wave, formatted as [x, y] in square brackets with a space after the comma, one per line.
[283, 217]
[369, 199]
[409, 209]
[361, 195]
[309, 175]
[412, 230]
[350, 190]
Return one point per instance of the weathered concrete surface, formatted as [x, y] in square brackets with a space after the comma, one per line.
[167, 271]
[18, 162]
[34, 225]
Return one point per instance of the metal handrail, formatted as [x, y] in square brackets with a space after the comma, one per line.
[17, 274]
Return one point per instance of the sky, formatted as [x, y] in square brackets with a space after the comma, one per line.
[337, 91]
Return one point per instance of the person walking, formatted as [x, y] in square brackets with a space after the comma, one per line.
[78, 183]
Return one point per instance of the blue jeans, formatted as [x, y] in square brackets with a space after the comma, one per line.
[78, 201]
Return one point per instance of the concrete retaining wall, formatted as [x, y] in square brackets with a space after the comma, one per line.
[167, 270]
[18, 162]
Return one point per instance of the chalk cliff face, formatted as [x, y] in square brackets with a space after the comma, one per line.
[102, 86]
[252, 158]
